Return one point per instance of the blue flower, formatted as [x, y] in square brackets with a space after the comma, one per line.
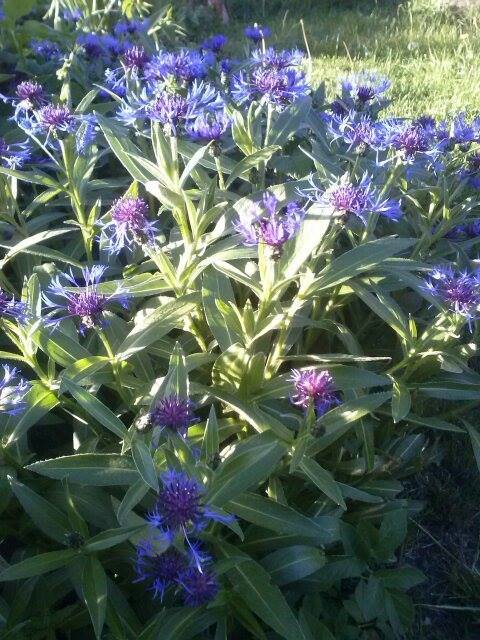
[12, 391]
[83, 303]
[265, 223]
[179, 509]
[160, 570]
[135, 59]
[471, 172]
[86, 133]
[130, 27]
[257, 33]
[208, 126]
[459, 291]
[346, 198]
[12, 309]
[412, 140]
[116, 82]
[278, 59]
[174, 413]
[46, 49]
[279, 87]
[30, 95]
[364, 89]
[128, 224]
[358, 131]
[215, 43]
[314, 387]
[54, 118]
[13, 155]
[199, 586]
[72, 15]
[185, 65]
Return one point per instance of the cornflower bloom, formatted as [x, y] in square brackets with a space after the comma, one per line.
[179, 509]
[12, 391]
[14, 154]
[265, 223]
[315, 388]
[359, 132]
[159, 570]
[30, 95]
[459, 291]
[215, 43]
[208, 126]
[173, 413]
[185, 66]
[346, 198]
[199, 587]
[134, 59]
[46, 49]
[12, 309]
[278, 87]
[278, 59]
[410, 139]
[256, 33]
[362, 90]
[128, 224]
[84, 303]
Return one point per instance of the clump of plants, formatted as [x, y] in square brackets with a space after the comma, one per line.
[229, 308]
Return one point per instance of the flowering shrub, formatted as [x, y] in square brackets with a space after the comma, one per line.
[239, 314]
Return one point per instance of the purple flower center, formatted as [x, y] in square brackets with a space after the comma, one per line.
[56, 116]
[130, 211]
[314, 386]
[30, 91]
[178, 502]
[199, 587]
[89, 306]
[135, 58]
[174, 413]
[365, 93]
[411, 140]
[348, 198]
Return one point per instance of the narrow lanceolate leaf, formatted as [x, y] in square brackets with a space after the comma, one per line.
[47, 518]
[358, 260]
[144, 463]
[96, 469]
[216, 286]
[94, 587]
[324, 480]
[251, 463]
[38, 565]
[96, 409]
[401, 401]
[40, 401]
[254, 587]
[210, 442]
[275, 516]
[293, 563]
[177, 375]
[252, 161]
[111, 537]
[290, 121]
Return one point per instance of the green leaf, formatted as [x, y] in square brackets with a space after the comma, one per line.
[37, 565]
[216, 286]
[40, 401]
[84, 368]
[358, 260]
[253, 585]
[289, 121]
[94, 587]
[59, 346]
[475, 440]
[185, 623]
[392, 533]
[15, 9]
[276, 516]
[293, 563]
[46, 517]
[177, 375]
[157, 324]
[144, 463]
[324, 480]
[96, 409]
[250, 463]
[97, 469]
[251, 161]
[130, 500]
[401, 401]
[210, 443]
[111, 537]
[36, 238]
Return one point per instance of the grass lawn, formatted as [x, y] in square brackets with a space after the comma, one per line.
[430, 53]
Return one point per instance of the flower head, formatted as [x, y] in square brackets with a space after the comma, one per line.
[256, 33]
[361, 90]
[459, 291]
[30, 94]
[15, 154]
[347, 198]
[72, 15]
[185, 65]
[160, 570]
[208, 126]
[358, 131]
[84, 303]
[135, 58]
[278, 59]
[173, 413]
[199, 586]
[12, 309]
[410, 139]
[268, 224]
[279, 87]
[55, 117]
[128, 224]
[215, 43]
[179, 508]
[12, 391]
[314, 387]
[46, 49]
